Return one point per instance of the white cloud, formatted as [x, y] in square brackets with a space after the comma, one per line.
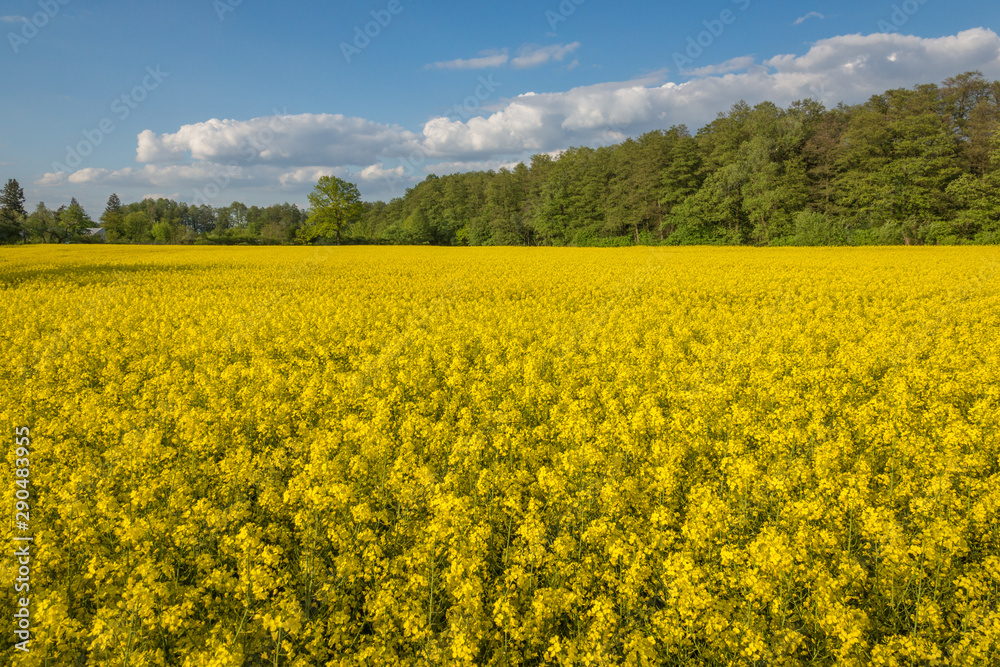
[309, 175]
[849, 68]
[852, 65]
[378, 172]
[732, 65]
[13, 19]
[291, 140]
[170, 176]
[532, 56]
[291, 152]
[810, 15]
[485, 60]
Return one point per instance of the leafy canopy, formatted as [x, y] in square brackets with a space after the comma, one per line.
[335, 205]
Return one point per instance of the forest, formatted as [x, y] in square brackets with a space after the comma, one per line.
[909, 166]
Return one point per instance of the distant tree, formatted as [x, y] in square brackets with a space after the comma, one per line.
[200, 219]
[223, 220]
[335, 205]
[680, 177]
[971, 107]
[505, 206]
[419, 229]
[280, 223]
[73, 220]
[113, 218]
[821, 152]
[899, 160]
[12, 198]
[12, 213]
[255, 221]
[162, 232]
[41, 225]
[979, 215]
[236, 213]
[137, 226]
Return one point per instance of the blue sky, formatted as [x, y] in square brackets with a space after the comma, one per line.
[212, 101]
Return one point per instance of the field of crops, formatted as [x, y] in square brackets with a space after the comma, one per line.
[377, 456]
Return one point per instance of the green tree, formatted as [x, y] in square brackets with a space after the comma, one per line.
[419, 229]
[335, 205]
[237, 214]
[978, 217]
[162, 232]
[73, 220]
[821, 153]
[504, 207]
[12, 213]
[281, 222]
[680, 177]
[137, 226]
[41, 225]
[113, 218]
[900, 158]
[776, 183]
[971, 106]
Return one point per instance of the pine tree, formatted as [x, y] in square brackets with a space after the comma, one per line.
[113, 218]
[12, 213]
[73, 220]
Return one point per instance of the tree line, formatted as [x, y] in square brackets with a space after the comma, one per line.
[913, 166]
[148, 221]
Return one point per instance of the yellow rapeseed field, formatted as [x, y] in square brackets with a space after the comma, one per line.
[392, 456]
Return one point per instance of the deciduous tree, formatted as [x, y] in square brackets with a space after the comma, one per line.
[335, 204]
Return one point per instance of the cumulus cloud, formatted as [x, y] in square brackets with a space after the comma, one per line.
[810, 15]
[289, 153]
[279, 139]
[849, 68]
[485, 60]
[309, 175]
[379, 172]
[159, 175]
